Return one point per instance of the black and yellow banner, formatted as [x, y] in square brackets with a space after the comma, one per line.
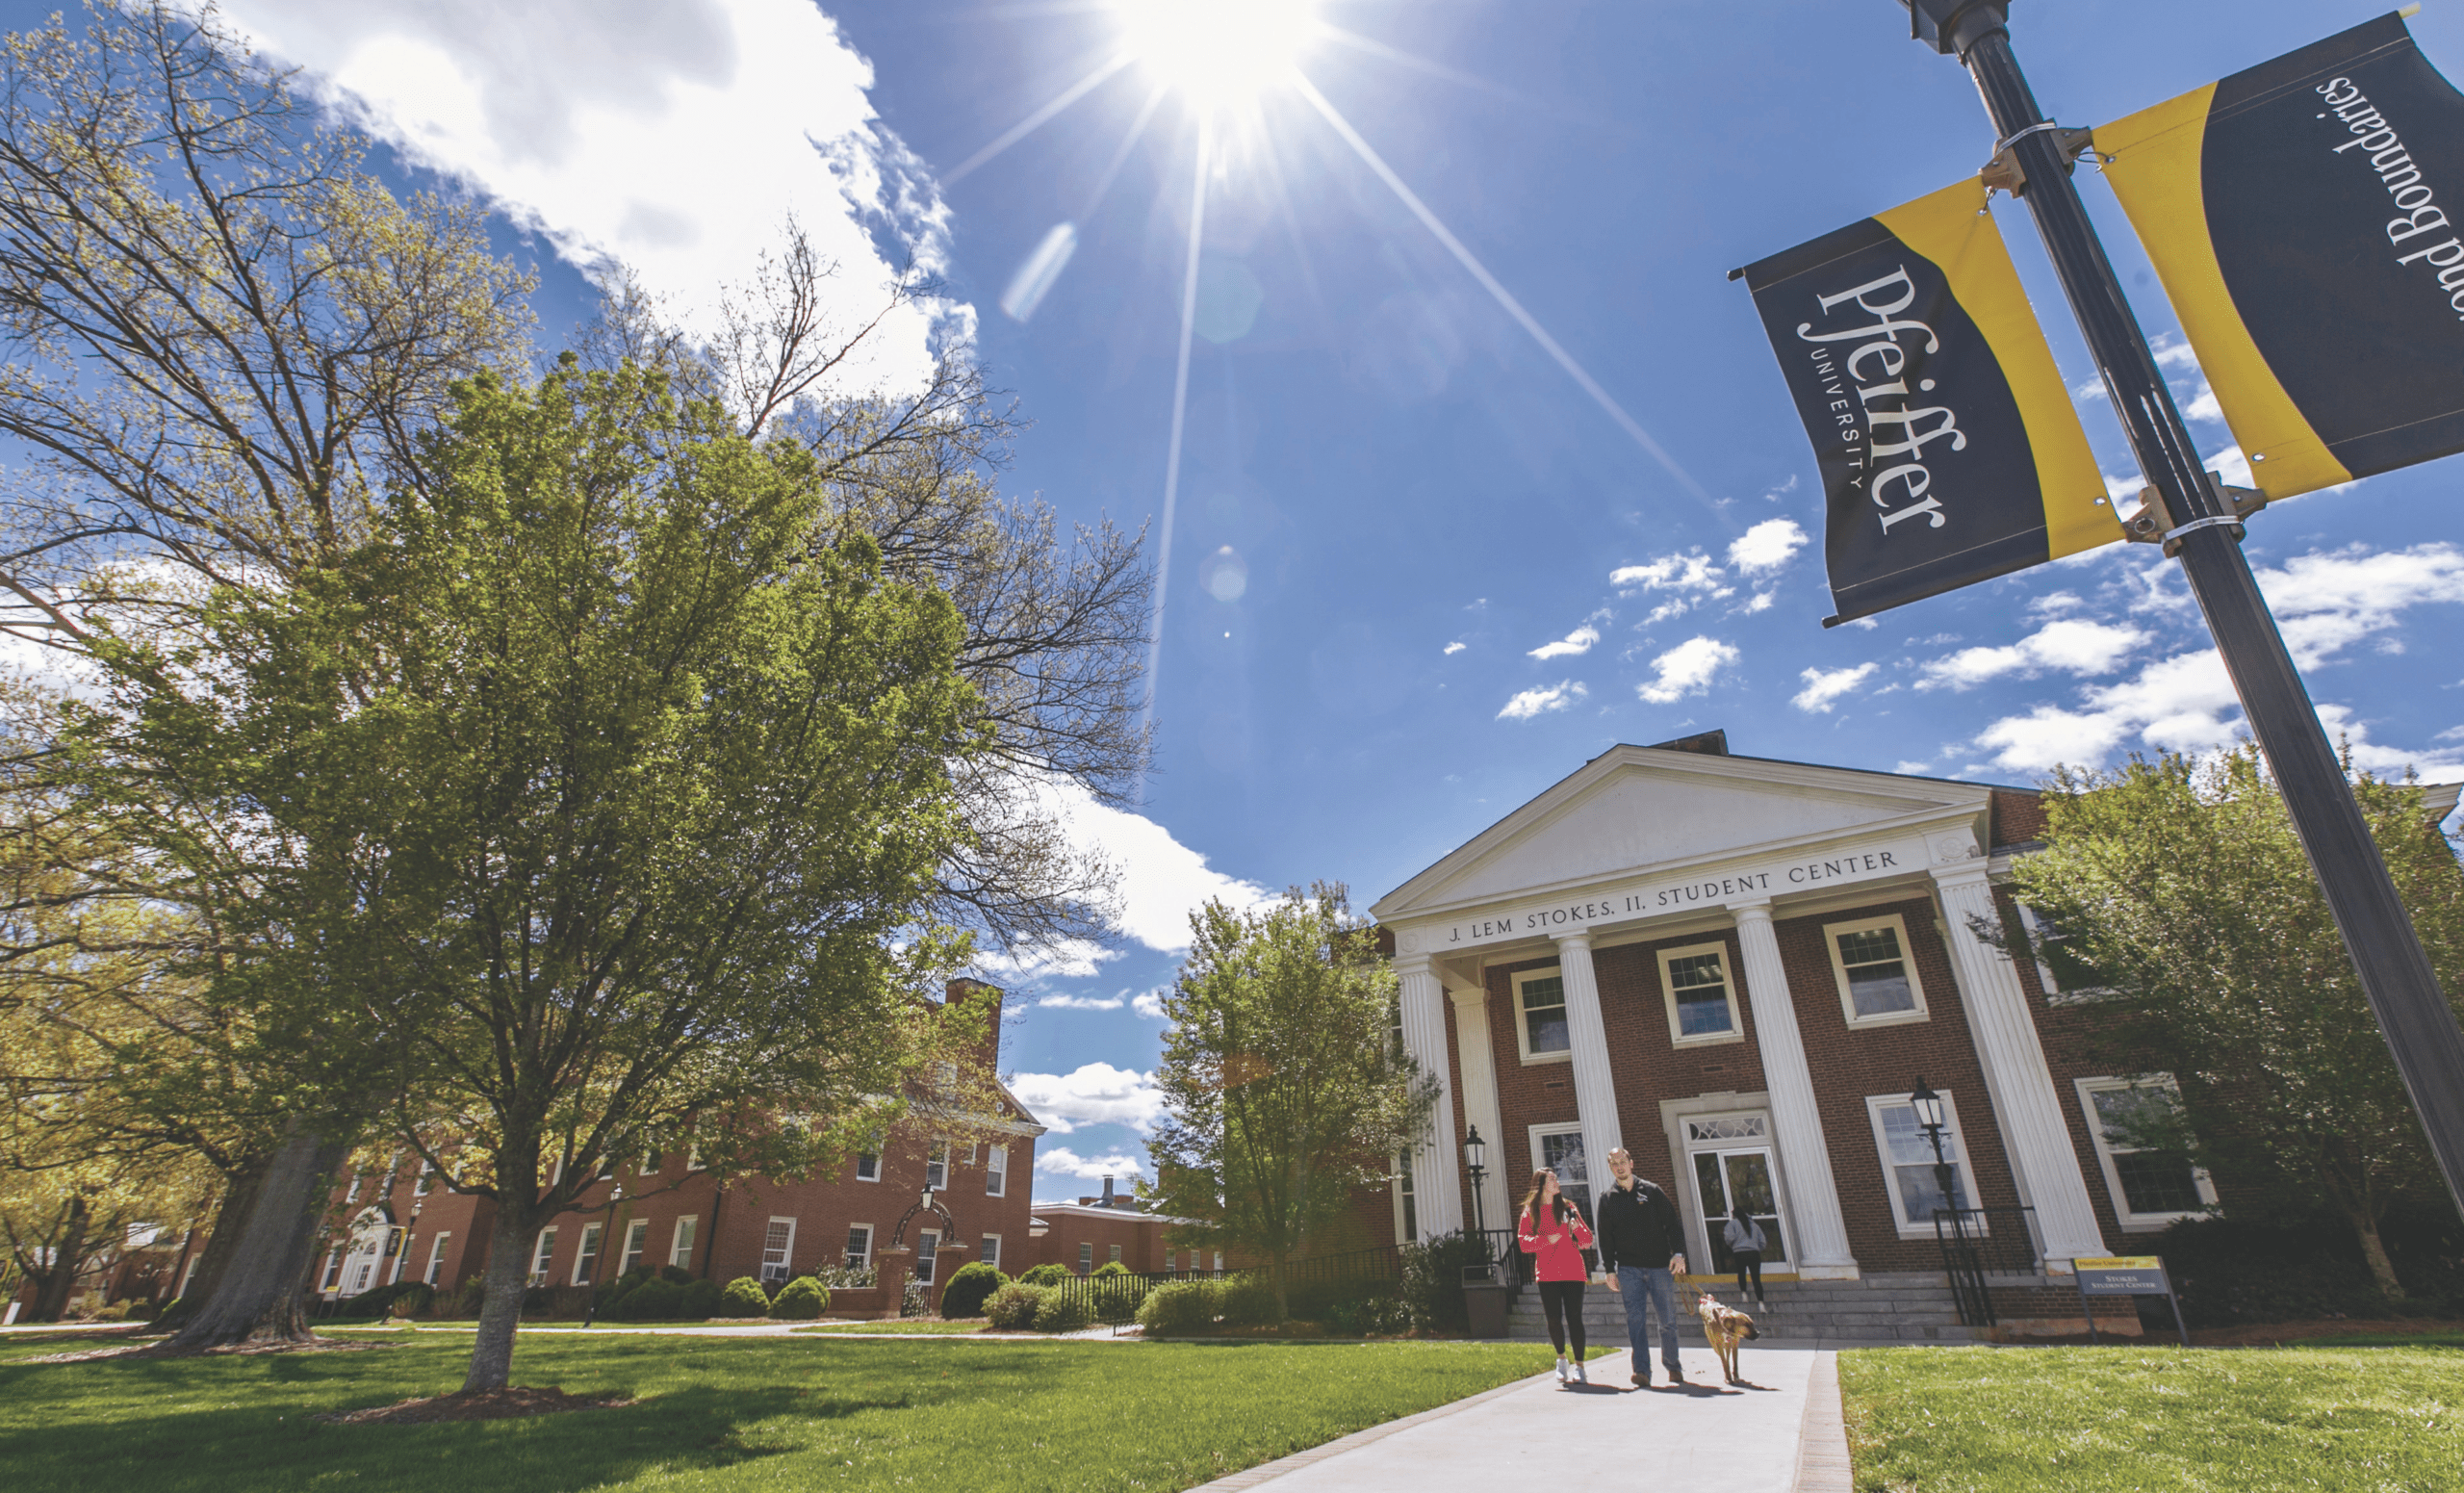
[2307, 218]
[1949, 450]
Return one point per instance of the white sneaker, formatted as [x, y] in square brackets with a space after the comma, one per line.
[1562, 1369]
[1581, 1377]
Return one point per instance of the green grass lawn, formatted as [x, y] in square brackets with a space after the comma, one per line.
[2087, 1420]
[718, 1413]
[907, 1328]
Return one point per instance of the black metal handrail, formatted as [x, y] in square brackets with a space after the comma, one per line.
[1980, 1243]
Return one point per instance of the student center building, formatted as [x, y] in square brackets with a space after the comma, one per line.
[1739, 970]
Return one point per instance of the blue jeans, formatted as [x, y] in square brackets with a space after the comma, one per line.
[1633, 1283]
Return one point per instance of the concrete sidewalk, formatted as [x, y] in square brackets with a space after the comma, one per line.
[1780, 1434]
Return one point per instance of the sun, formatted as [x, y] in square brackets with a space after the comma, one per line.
[1218, 52]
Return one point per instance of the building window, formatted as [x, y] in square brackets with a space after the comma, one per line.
[776, 1247]
[333, 1269]
[542, 1256]
[928, 1245]
[425, 1181]
[996, 1172]
[868, 1162]
[989, 1251]
[1219, 1262]
[1086, 1258]
[587, 1260]
[1541, 1031]
[1407, 1211]
[2151, 1186]
[654, 1161]
[637, 1242]
[1559, 1148]
[1116, 1254]
[937, 1166]
[359, 1277]
[1701, 999]
[680, 1248]
[436, 1259]
[1908, 1164]
[859, 1245]
[606, 1169]
[693, 1158]
[2064, 978]
[1878, 984]
[351, 1194]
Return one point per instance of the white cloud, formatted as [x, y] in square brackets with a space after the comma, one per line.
[1766, 545]
[674, 139]
[1670, 573]
[1687, 669]
[2055, 603]
[1079, 1003]
[2071, 644]
[1452, 648]
[1579, 641]
[1912, 767]
[1096, 1093]
[1149, 1004]
[1539, 702]
[1761, 601]
[1069, 958]
[1062, 1161]
[1162, 881]
[2324, 602]
[1824, 685]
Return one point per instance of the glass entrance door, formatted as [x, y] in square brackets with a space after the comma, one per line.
[1724, 1179]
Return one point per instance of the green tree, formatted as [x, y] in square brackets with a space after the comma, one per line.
[2178, 886]
[1284, 1083]
[603, 788]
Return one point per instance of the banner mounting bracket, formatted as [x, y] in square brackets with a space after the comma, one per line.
[2153, 522]
[2004, 173]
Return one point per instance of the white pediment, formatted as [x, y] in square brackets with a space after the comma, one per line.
[1641, 808]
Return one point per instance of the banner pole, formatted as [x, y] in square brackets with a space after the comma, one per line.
[2413, 1014]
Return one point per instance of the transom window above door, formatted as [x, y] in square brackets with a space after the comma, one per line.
[1878, 984]
[1540, 1027]
[1702, 998]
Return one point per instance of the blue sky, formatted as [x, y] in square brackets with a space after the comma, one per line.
[1417, 571]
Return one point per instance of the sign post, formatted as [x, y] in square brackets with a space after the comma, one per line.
[2136, 1275]
[2199, 523]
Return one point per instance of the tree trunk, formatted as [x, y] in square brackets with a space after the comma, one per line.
[501, 1311]
[259, 1294]
[230, 1221]
[2348, 1184]
[52, 1288]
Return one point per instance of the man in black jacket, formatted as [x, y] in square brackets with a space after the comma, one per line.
[1641, 1245]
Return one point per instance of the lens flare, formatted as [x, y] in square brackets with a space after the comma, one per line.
[1220, 52]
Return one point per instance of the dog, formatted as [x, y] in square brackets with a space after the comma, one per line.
[1726, 1327]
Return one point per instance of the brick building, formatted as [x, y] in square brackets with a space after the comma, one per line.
[1085, 1235]
[1738, 968]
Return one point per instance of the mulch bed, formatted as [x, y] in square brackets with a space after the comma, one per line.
[481, 1404]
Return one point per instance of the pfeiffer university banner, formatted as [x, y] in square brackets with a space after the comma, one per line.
[1949, 450]
[2307, 218]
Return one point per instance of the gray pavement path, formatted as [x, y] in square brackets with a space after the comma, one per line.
[1752, 1438]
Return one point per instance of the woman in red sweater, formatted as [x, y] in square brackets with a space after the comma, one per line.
[1553, 1230]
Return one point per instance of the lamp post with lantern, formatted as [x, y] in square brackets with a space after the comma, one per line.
[1474, 1152]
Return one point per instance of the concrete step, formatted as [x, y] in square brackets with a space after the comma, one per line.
[1911, 1307]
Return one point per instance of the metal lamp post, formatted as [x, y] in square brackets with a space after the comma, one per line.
[605, 1230]
[2200, 523]
[1474, 1152]
[1929, 1118]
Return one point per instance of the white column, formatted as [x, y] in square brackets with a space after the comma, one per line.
[1479, 1098]
[1595, 1088]
[1437, 1188]
[2017, 1079]
[1796, 1120]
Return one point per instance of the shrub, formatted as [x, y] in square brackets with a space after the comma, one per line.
[1246, 1302]
[1432, 1287]
[1044, 1275]
[1012, 1307]
[800, 1299]
[701, 1301]
[1382, 1315]
[652, 1300]
[675, 1275]
[745, 1297]
[1323, 1301]
[969, 1290]
[470, 1299]
[1112, 1267]
[1063, 1311]
[412, 1299]
[1180, 1309]
[115, 1311]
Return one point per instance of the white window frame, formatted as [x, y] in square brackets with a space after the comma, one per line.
[870, 1233]
[940, 1148]
[1592, 1186]
[593, 1238]
[928, 1262]
[1085, 1256]
[693, 1157]
[1406, 1199]
[1523, 1025]
[1898, 924]
[1728, 980]
[425, 1181]
[335, 1259]
[990, 1251]
[543, 1255]
[786, 1253]
[680, 1241]
[1954, 1144]
[637, 1243]
[996, 1170]
[2041, 931]
[1116, 1259]
[873, 1155]
[436, 1255]
[2106, 1152]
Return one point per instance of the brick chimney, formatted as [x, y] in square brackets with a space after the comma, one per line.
[964, 988]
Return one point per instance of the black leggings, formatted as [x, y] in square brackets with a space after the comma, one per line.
[1748, 1262]
[1562, 1300]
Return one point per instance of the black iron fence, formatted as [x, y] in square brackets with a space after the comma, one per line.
[1978, 1243]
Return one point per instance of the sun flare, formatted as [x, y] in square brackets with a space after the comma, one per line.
[1218, 52]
